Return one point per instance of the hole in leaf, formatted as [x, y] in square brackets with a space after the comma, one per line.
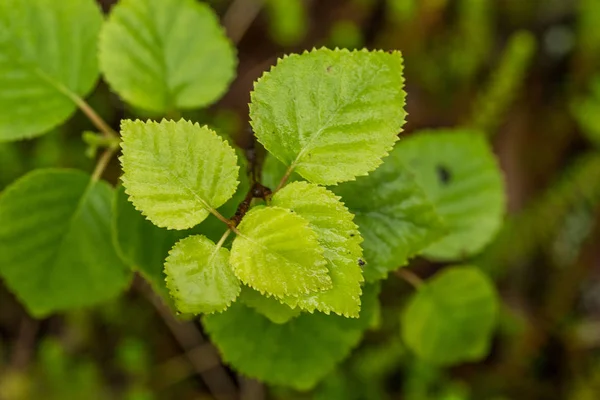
[444, 174]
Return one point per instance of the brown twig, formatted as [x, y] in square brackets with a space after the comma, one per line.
[407, 275]
[251, 389]
[239, 17]
[25, 342]
[200, 353]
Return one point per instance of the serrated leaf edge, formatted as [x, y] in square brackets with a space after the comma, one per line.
[377, 161]
[125, 122]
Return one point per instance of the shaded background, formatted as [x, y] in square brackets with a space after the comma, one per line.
[525, 72]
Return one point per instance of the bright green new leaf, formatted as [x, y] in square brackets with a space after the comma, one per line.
[47, 62]
[278, 253]
[199, 276]
[165, 55]
[458, 172]
[56, 252]
[270, 307]
[396, 219]
[339, 236]
[176, 173]
[330, 115]
[298, 353]
[452, 317]
[144, 246]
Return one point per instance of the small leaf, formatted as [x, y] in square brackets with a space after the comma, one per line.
[458, 172]
[270, 307]
[330, 115]
[56, 252]
[199, 276]
[164, 55]
[452, 317]
[176, 173]
[299, 353]
[339, 236]
[394, 216]
[47, 61]
[276, 252]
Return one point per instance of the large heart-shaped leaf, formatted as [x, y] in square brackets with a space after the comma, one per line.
[56, 251]
[47, 62]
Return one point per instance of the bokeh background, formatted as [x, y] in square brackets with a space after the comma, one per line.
[524, 72]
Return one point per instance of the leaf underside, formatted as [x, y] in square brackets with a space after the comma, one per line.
[298, 353]
[451, 318]
[460, 175]
[269, 307]
[395, 218]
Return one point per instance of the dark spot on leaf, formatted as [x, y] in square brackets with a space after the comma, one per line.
[329, 68]
[361, 262]
[444, 174]
[352, 235]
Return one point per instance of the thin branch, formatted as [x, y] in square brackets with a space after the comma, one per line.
[179, 368]
[24, 345]
[413, 279]
[102, 163]
[257, 191]
[251, 389]
[102, 126]
[94, 117]
[239, 17]
[206, 363]
[223, 238]
[285, 177]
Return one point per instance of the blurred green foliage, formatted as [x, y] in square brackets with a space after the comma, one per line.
[483, 64]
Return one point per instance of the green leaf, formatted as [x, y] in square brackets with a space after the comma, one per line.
[270, 307]
[452, 317]
[176, 173]
[165, 55]
[144, 246]
[458, 172]
[585, 112]
[330, 115]
[339, 236]
[298, 353]
[56, 252]
[277, 253]
[273, 170]
[394, 216]
[141, 244]
[288, 21]
[47, 62]
[199, 276]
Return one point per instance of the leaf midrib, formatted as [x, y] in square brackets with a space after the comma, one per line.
[36, 70]
[309, 145]
[60, 248]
